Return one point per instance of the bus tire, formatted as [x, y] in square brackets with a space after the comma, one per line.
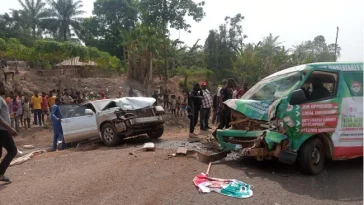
[312, 156]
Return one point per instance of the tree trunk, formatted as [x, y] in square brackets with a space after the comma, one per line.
[33, 29]
[150, 80]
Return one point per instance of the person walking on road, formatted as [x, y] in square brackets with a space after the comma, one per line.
[57, 126]
[205, 107]
[6, 139]
[194, 103]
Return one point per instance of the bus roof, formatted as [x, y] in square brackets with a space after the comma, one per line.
[341, 66]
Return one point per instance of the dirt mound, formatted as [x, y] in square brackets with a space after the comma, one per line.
[28, 81]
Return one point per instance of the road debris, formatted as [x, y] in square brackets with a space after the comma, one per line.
[227, 187]
[193, 139]
[150, 146]
[181, 151]
[21, 160]
[28, 147]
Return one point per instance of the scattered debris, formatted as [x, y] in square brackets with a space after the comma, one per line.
[208, 157]
[150, 146]
[192, 139]
[26, 157]
[227, 187]
[132, 153]
[172, 155]
[28, 147]
[181, 151]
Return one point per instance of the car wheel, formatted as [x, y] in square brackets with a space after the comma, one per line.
[312, 156]
[109, 135]
[156, 133]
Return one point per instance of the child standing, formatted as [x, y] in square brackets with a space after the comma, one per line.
[15, 112]
[26, 112]
[184, 105]
[178, 106]
[173, 105]
[21, 99]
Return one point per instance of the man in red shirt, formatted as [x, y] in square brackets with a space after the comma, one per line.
[44, 107]
[102, 96]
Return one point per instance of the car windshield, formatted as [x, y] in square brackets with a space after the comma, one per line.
[273, 88]
[100, 104]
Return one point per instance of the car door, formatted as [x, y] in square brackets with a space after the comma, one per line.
[78, 124]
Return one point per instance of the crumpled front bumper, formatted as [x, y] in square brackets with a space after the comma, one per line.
[252, 143]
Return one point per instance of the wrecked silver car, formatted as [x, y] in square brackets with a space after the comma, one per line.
[111, 120]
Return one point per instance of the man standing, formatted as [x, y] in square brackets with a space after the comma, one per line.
[51, 99]
[36, 102]
[57, 126]
[6, 139]
[67, 99]
[226, 93]
[205, 108]
[45, 110]
[194, 103]
[155, 96]
[131, 92]
[102, 96]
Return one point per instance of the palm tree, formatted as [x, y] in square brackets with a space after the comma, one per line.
[33, 12]
[64, 18]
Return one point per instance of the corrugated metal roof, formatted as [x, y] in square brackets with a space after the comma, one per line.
[76, 62]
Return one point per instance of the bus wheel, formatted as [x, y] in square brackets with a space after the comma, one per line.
[312, 156]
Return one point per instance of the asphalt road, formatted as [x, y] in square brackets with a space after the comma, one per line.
[112, 176]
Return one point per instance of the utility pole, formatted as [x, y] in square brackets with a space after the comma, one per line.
[337, 35]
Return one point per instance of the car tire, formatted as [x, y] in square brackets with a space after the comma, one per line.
[156, 133]
[312, 156]
[109, 135]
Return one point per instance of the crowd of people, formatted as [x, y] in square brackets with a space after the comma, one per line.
[200, 104]
[22, 106]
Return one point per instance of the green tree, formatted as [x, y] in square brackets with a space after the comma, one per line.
[222, 47]
[106, 30]
[33, 12]
[12, 25]
[170, 13]
[142, 51]
[64, 20]
[314, 51]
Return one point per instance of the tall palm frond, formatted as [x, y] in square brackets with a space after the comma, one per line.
[64, 19]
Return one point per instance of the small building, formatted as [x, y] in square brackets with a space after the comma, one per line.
[74, 67]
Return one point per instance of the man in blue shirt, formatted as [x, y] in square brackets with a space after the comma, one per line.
[57, 126]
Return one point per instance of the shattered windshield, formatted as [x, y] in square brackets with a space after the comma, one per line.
[273, 88]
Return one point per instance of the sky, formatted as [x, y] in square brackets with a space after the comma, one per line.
[293, 21]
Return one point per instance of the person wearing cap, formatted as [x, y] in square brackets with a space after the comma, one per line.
[194, 105]
[226, 93]
[206, 104]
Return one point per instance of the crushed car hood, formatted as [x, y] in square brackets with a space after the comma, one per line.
[253, 109]
[133, 103]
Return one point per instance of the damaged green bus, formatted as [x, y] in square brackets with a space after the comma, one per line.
[305, 114]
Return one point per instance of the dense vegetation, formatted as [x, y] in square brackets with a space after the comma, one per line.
[133, 35]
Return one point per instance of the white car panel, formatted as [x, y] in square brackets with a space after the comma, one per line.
[79, 128]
